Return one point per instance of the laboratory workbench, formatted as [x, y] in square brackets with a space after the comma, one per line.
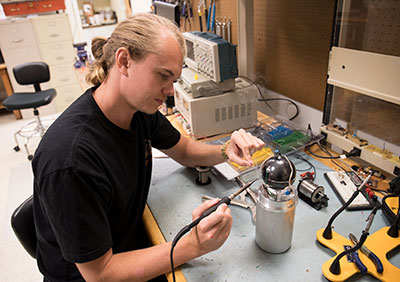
[174, 194]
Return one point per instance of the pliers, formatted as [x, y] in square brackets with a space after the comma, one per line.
[369, 254]
[353, 257]
[187, 13]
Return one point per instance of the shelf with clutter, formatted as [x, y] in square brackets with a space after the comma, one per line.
[95, 13]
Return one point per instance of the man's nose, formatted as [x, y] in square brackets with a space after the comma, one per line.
[169, 90]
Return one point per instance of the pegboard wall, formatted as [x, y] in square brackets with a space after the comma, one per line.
[292, 41]
[291, 47]
[224, 9]
[373, 26]
[291, 44]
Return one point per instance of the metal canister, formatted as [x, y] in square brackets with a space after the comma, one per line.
[276, 204]
[275, 219]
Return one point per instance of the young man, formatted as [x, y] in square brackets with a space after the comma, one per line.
[93, 167]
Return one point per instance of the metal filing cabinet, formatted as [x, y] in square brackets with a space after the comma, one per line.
[55, 42]
[46, 38]
[18, 45]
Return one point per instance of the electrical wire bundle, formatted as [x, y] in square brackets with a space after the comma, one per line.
[265, 100]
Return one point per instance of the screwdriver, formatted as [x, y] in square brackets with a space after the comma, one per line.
[207, 212]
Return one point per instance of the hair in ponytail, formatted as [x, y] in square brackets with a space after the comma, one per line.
[97, 72]
[139, 34]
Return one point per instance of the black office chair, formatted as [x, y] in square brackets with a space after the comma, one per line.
[25, 74]
[24, 227]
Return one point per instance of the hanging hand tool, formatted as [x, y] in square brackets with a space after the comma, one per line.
[199, 9]
[183, 13]
[223, 29]
[228, 27]
[368, 253]
[189, 14]
[211, 18]
[218, 27]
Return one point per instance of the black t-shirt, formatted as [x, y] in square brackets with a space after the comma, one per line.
[91, 181]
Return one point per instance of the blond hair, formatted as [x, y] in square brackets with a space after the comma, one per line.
[139, 34]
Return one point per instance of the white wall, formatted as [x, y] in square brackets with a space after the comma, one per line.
[307, 115]
[72, 10]
[90, 33]
[2, 15]
[119, 7]
[86, 35]
[141, 6]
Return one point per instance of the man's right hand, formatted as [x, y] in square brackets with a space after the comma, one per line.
[213, 230]
[145, 264]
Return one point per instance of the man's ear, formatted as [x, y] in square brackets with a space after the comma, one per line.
[122, 60]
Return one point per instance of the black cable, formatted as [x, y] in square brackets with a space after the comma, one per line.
[273, 99]
[207, 212]
[335, 266]
[325, 150]
[186, 229]
[309, 163]
[309, 132]
[327, 234]
[394, 228]
[339, 165]
[328, 229]
[321, 157]
[183, 231]
[282, 99]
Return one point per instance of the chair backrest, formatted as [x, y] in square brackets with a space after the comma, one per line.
[24, 227]
[32, 73]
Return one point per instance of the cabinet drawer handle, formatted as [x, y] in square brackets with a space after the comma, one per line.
[47, 6]
[64, 79]
[54, 35]
[17, 40]
[60, 58]
[15, 9]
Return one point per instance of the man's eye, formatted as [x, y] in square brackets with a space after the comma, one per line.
[164, 76]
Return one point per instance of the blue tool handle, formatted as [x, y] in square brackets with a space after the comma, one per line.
[376, 261]
[190, 11]
[358, 262]
[213, 18]
[183, 12]
[208, 17]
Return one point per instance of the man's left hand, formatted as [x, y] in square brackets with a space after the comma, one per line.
[242, 146]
